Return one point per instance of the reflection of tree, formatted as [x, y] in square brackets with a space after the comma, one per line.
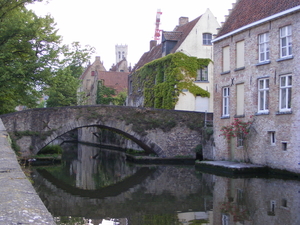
[156, 219]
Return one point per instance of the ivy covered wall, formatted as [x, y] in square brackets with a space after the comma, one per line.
[161, 81]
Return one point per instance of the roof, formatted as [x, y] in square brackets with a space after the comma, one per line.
[116, 80]
[171, 35]
[154, 53]
[179, 34]
[246, 12]
[185, 30]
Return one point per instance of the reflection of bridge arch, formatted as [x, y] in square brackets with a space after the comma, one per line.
[163, 190]
[168, 133]
[109, 191]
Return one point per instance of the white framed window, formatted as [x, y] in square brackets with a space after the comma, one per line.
[286, 41]
[226, 59]
[225, 104]
[263, 95]
[240, 54]
[264, 50]
[207, 38]
[272, 137]
[285, 95]
[202, 74]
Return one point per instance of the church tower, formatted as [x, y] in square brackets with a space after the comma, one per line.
[121, 52]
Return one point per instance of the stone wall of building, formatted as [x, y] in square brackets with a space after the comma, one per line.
[258, 148]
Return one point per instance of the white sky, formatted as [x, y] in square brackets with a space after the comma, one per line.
[104, 24]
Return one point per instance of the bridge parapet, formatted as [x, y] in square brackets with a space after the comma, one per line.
[167, 133]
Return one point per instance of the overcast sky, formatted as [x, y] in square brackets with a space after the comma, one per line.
[104, 24]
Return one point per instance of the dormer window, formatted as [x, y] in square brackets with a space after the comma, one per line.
[207, 38]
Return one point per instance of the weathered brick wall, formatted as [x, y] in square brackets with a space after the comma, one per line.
[285, 126]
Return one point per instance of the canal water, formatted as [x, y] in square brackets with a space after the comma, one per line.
[98, 186]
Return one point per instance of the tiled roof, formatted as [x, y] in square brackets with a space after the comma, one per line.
[172, 35]
[116, 80]
[249, 11]
[154, 53]
[179, 34]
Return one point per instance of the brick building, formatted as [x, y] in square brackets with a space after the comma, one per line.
[95, 75]
[256, 62]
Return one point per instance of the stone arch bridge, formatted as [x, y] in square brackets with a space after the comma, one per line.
[167, 133]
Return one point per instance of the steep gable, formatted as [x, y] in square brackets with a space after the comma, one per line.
[184, 30]
[246, 12]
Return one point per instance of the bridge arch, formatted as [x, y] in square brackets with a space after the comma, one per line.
[145, 143]
[168, 133]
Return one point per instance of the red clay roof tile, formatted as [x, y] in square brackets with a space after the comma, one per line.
[248, 11]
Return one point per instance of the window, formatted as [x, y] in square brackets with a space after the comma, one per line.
[225, 219]
[240, 52]
[263, 95]
[284, 203]
[285, 93]
[240, 140]
[225, 106]
[207, 39]
[271, 212]
[285, 41]
[202, 74]
[272, 137]
[284, 145]
[240, 101]
[226, 59]
[130, 87]
[264, 51]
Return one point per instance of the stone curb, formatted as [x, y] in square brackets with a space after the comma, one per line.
[19, 202]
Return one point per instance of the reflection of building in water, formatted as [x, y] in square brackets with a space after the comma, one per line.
[256, 201]
[203, 218]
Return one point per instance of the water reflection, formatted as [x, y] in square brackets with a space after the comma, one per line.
[96, 186]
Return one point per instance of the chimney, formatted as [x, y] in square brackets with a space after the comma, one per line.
[97, 58]
[153, 43]
[183, 20]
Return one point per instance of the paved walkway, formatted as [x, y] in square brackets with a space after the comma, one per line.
[19, 203]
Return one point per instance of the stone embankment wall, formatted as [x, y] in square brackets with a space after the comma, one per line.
[19, 202]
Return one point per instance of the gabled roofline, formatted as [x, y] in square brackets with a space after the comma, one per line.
[275, 16]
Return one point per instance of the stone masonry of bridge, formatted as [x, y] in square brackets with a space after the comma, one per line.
[167, 133]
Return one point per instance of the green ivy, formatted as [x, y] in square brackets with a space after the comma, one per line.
[162, 80]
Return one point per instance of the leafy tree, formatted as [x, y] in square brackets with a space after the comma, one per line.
[63, 89]
[120, 98]
[105, 95]
[76, 58]
[28, 47]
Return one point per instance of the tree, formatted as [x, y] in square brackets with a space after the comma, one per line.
[63, 88]
[105, 95]
[120, 98]
[76, 58]
[28, 47]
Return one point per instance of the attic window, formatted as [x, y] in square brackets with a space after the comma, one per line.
[206, 38]
[93, 73]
